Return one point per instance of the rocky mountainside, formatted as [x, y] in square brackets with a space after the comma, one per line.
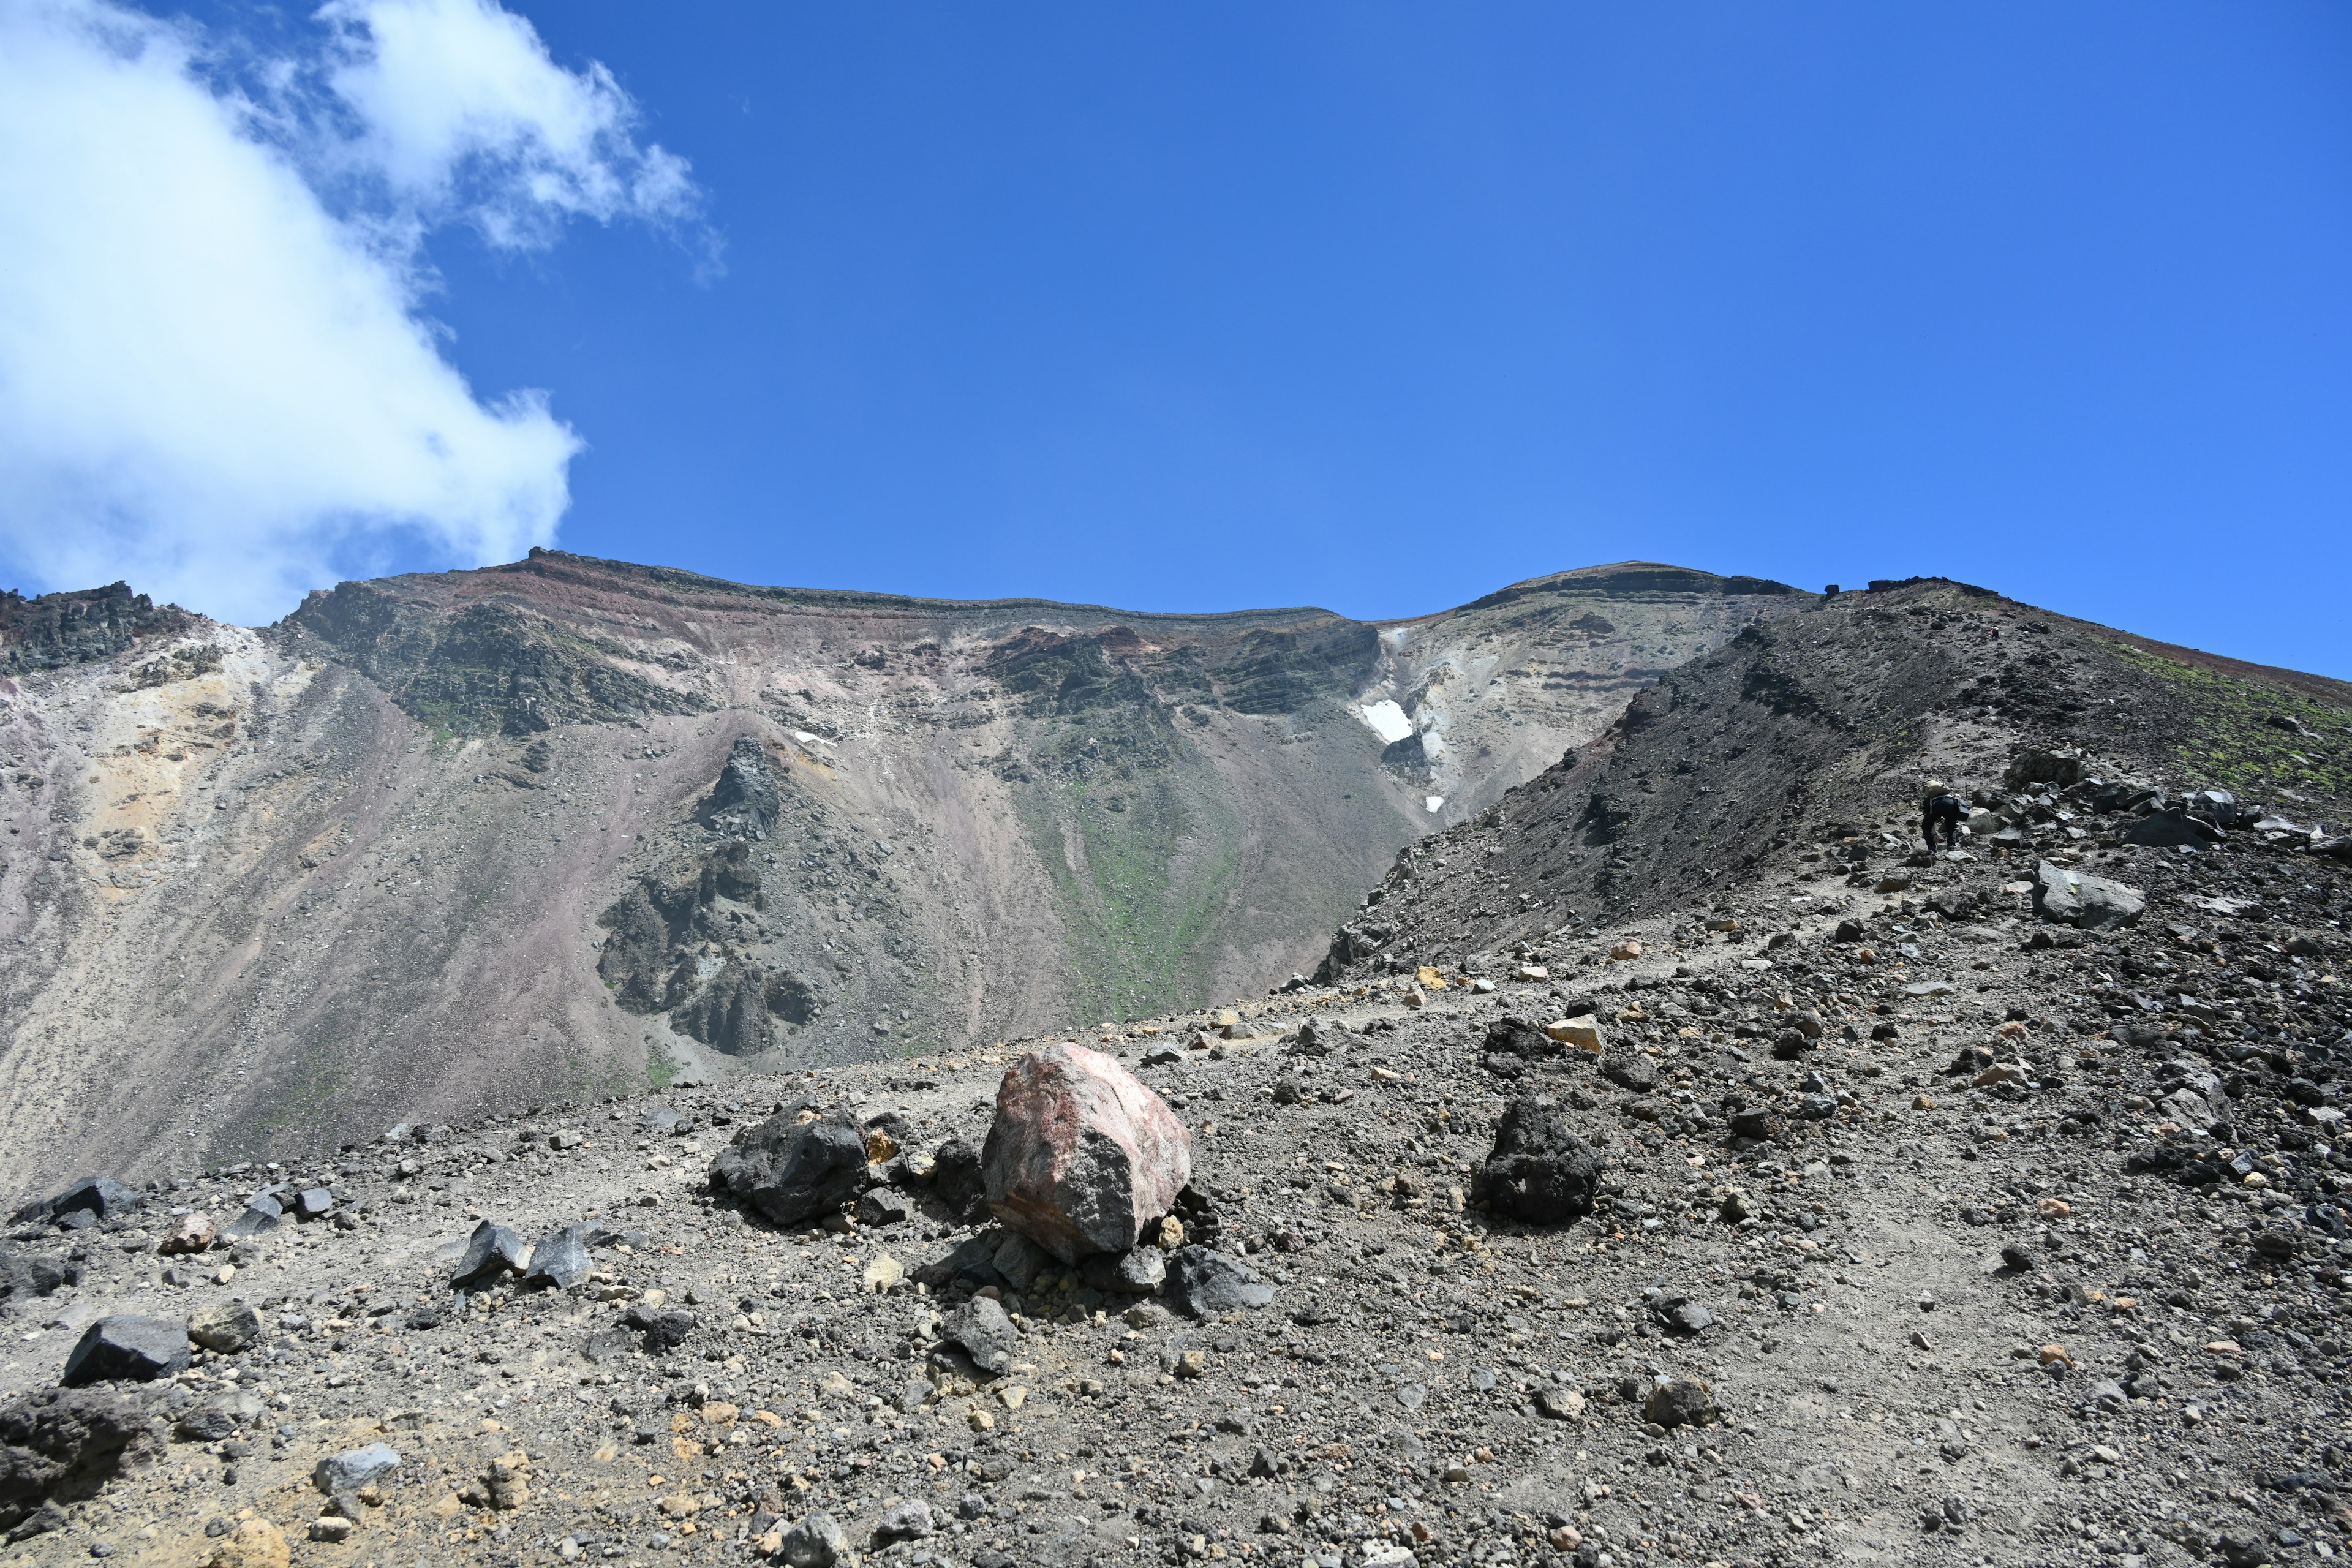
[1855, 1203]
[1804, 737]
[548, 832]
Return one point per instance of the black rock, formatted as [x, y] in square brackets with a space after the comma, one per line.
[986, 1334]
[1201, 1283]
[560, 1261]
[882, 1207]
[1518, 1038]
[492, 1253]
[2017, 1260]
[744, 803]
[958, 1183]
[127, 1350]
[790, 1170]
[971, 1260]
[207, 1423]
[663, 1331]
[1680, 1314]
[1631, 1071]
[315, 1204]
[100, 1197]
[24, 1273]
[1539, 1170]
[62, 1445]
[2165, 830]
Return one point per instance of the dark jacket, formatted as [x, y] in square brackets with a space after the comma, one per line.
[1942, 808]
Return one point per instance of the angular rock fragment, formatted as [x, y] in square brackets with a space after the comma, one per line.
[957, 1182]
[986, 1334]
[60, 1446]
[1673, 1401]
[1082, 1156]
[227, 1327]
[2066, 896]
[816, 1541]
[492, 1253]
[1202, 1283]
[355, 1467]
[561, 1261]
[1538, 1170]
[127, 1350]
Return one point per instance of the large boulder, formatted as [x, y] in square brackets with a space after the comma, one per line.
[1539, 1170]
[789, 1171]
[1082, 1156]
[2065, 897]
[127, 1350]
[60, 1446]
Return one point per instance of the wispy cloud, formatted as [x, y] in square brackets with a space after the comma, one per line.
[215, 374]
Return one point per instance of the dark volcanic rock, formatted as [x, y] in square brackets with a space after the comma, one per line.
[986, 1334]
[1201, 1283]
[560, 1260]
[55, 630]
[957, 1182]
[2065, 897]
[743, 802]
[1538, 1170]
[127, 1350]
[789, 1171]
[62, 1445]
[492, 1253]
[101, 1196]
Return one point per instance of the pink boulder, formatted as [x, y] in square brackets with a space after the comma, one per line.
[1081, 1156]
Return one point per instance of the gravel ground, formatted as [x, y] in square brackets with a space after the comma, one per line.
[2151, 1377]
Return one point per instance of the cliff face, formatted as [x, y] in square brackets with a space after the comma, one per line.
[443, 844]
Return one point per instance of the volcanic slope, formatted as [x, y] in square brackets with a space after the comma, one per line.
[1770, 751]
[1934, 1220]
[444, 843]
[1958, 1241]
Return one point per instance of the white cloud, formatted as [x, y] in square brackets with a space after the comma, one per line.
[462, 110]
[215, 385]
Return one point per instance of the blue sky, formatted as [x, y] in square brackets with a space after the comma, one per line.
[1379, 306]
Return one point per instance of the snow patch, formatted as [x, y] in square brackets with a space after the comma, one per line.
[1433, 801]
[1386, 721]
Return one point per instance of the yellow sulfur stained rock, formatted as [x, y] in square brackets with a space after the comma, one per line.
[1429, 978]
[256, 1543]
[1584, 1036]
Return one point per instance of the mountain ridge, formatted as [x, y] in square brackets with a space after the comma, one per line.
[271, 887]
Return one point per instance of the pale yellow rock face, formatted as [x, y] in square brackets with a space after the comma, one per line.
[256, 1543]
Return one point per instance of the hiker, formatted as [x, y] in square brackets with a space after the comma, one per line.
[1942, 806]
